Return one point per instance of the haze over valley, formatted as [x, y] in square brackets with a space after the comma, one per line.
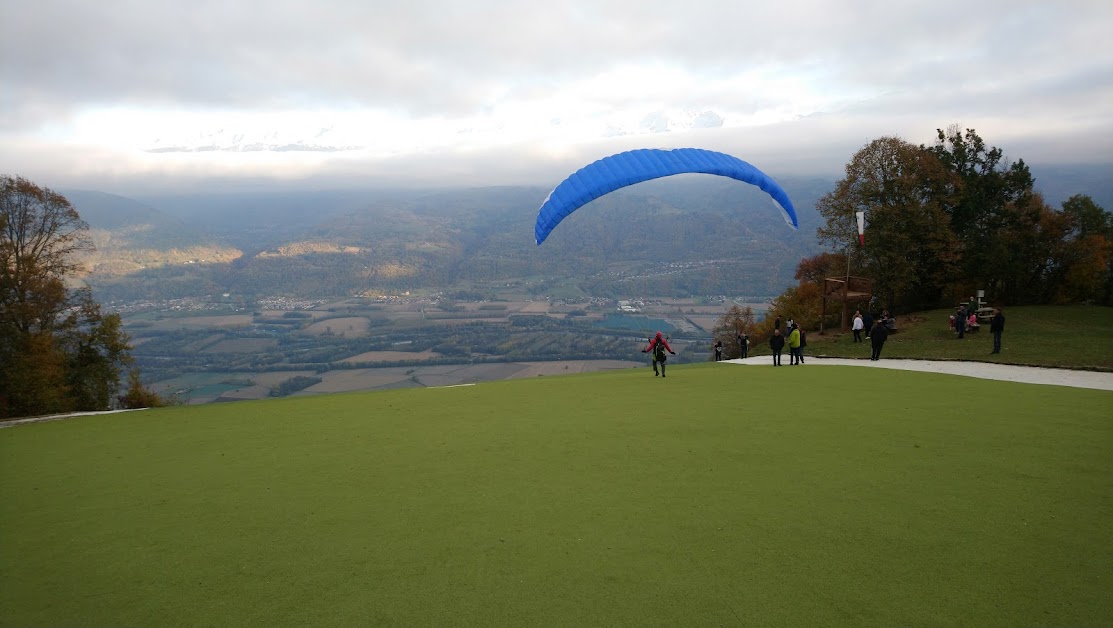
[236, 295]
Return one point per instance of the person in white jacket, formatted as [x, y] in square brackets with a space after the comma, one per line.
[858, 326]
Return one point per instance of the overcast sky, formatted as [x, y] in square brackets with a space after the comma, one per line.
[123, 95]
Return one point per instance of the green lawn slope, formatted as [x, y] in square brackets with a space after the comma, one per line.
[1074, 336]
[723, 495]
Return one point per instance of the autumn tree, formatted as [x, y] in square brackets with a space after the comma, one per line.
[817, 268]
[803, 303]
[735, 321]
[1084, 269]
[58, 352]
[138, 395]
[911, 253]
[946, 220]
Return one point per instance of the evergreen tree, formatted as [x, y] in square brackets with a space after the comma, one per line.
[993, 211]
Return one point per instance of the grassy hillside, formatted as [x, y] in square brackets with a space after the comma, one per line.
[721, 495]
[1074, 336]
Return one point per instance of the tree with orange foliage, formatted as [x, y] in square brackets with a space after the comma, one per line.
[737, 320]
[904, 190]
[58, 351]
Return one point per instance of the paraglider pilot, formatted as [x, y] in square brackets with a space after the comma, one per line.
[657, 348]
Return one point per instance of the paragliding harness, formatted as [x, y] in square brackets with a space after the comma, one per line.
[659, 353]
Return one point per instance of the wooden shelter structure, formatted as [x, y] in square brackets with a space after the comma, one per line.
[846, 289]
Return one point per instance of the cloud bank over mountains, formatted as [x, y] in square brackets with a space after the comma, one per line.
[155, 92]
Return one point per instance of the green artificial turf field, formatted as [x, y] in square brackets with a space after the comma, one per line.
[724, 495]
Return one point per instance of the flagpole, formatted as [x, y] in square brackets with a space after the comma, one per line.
[845, 291]
[860, 219]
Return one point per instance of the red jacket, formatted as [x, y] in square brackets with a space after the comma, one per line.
[653, 343]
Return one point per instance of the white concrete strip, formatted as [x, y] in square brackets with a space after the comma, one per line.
[450, 386]
[984, 370]
[57, 417]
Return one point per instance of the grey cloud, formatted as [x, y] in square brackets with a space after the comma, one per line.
[424, 56]
[254, 148]
[891, 68]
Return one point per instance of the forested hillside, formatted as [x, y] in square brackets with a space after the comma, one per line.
[686, 235]
[691, 235]
[129, 236]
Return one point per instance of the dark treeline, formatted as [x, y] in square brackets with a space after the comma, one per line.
[947, 220]
[943, 222]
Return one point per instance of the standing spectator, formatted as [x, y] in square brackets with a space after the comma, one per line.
[803, 343]
[960, 322]
[867, 323]
[996, 326]
[878, 336]
[777, 344]
[857, 326]
[718, 350]
[743, 345]
[793, 345]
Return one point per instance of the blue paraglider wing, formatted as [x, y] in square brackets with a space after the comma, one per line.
[635, 166]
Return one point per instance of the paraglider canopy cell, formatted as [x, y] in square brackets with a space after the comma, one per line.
[618, 171]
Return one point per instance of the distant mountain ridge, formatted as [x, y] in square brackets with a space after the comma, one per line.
[679, 236]
[130, 236]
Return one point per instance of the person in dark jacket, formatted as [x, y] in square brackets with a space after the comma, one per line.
[777, 344]
[718, 350]
[996, 326]
[878, 335]
[743, 345]
[657, 348]
[867, 323]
